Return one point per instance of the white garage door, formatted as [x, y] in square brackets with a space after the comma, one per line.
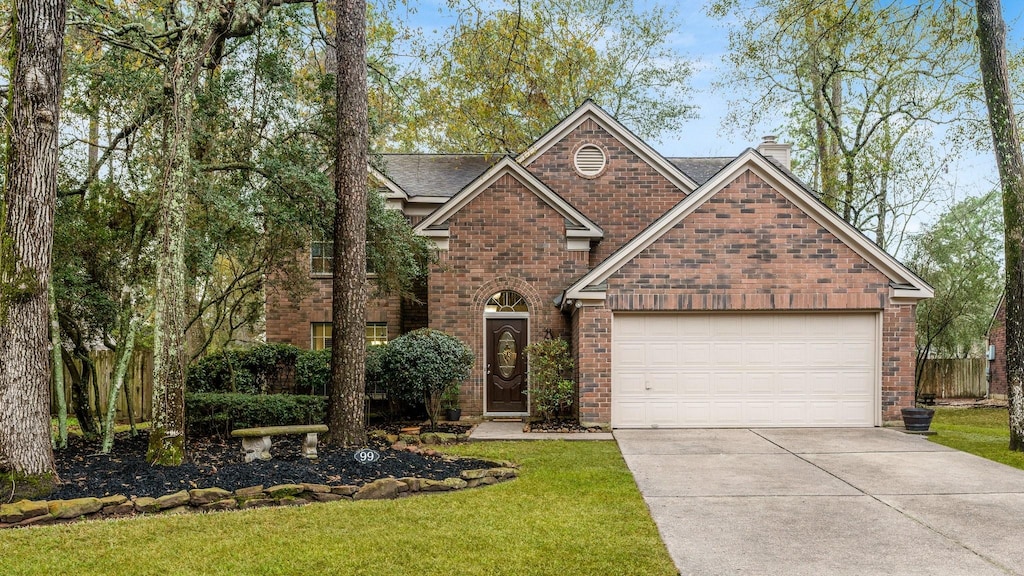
[740, 370]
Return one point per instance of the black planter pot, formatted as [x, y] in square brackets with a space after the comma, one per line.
[917, 419]
[453, 414]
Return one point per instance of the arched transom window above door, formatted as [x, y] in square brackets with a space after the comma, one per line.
[506, 301]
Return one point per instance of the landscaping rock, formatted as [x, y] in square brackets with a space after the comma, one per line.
[442, 485]
[379, 435]
[74, 508]
[474, 474]
[408, 438]
[23, 510]
[392, 438]
[344, 490]
[201, 496]
[383, 489]
[258, 503]
[229, 504]
[326, 497]
[502, 473]
[413, 483]
[173, 500]
[400, 445]
[292, 501]
[250, 492]
[113, 500]
[176, 510]
[430, 452]
[122, 509]
[146, 504]
[316, 488]
[283, 490]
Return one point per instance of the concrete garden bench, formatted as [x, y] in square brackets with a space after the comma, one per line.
[256, 441]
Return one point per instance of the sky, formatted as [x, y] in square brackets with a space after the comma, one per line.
[704, 42]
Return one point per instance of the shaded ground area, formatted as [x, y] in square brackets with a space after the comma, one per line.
[215, 462]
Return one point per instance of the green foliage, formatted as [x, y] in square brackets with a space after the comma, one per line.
[398, 256]
[209, 414]
[960, 255]
[509, 71]
[248, 371]
[421, 365]
[551, 387]
[313, 371]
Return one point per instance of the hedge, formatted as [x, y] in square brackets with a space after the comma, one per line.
[217, 414]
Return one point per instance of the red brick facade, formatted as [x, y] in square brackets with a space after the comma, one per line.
[746, 248]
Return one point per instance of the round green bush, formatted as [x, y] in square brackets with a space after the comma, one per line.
[421, 365]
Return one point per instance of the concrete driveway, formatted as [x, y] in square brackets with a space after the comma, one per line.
[826, 501]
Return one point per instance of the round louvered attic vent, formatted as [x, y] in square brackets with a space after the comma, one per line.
[589, 161]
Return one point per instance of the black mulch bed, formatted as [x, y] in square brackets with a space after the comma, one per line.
[212, 462]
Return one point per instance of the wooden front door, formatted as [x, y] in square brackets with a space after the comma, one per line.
[506, 365]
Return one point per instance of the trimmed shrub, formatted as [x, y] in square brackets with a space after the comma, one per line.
[551, 387]
[421, 365]
[217, 414]
[313, 371]
[245, 371]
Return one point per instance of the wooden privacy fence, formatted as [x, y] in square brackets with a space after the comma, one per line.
[139, 378]
[954, 378]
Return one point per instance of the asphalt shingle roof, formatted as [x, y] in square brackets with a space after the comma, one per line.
[434, 174]
[446, 174]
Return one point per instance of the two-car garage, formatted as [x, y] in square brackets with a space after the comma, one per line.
[677, 370]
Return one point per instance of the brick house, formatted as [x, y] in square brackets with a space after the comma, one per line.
[694, 291]
[997, 352]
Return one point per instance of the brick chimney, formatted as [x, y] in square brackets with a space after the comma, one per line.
[777, 151]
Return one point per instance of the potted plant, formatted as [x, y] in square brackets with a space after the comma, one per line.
[450, 403]
[917, 419]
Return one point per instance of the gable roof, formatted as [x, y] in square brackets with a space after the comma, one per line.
[577, 226]
[700, 170]
[905, 284]
[591, 111]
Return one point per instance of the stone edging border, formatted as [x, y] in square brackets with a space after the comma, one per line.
[41, 512]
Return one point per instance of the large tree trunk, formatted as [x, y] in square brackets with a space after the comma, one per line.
[26, 243]
[167, 430]
[348, 354]
[1006, 140]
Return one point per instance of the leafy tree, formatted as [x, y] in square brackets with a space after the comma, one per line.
[421, 365]
[27, 467]
[503, 76]
[865, 81]
[959, 255]
[1006, 142]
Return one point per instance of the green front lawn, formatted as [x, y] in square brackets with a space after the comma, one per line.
[574, 510]
[981, 431]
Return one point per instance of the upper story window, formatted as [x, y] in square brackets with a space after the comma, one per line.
[321, 254]
[506, 301]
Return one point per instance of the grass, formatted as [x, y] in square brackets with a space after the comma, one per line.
[574, 510]
[984, 432]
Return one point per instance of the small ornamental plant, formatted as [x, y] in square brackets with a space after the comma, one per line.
[551, 387]
[423, 365]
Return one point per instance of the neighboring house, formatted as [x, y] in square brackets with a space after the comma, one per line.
[997, 352]
[694, 291]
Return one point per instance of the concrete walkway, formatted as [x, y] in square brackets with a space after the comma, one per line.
[491, 430]
[826, 501]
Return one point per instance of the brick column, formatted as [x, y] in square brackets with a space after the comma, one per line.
[592, 347]
[899, 357]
